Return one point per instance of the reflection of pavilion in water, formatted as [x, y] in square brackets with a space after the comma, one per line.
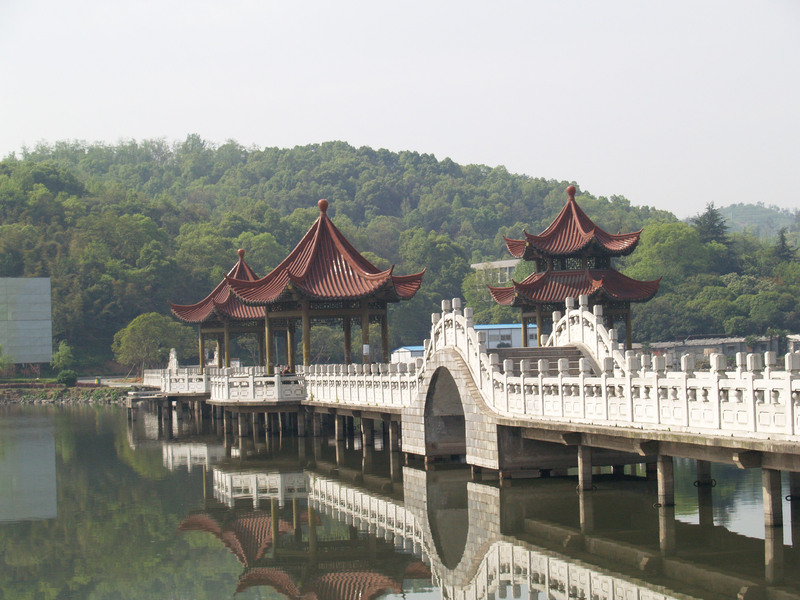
[266, 520]
[532, 540]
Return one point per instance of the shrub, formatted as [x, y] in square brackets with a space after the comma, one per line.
[67, 377]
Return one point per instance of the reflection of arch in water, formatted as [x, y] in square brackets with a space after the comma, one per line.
[448, 517]
[445, 427]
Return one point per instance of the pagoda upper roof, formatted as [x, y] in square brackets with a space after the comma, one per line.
[325, 266]
[553, 287]
[221, 303]
[571, 233]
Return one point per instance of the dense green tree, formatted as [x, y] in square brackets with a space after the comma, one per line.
[710, 225]
[147, 340]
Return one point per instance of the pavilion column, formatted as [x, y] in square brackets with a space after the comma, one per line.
[220, 352]
[290, 347]
[227, 338]
[260, 339]
[348, 340]
[628, 332]
[269, 343]
[538, 325]
[524, 328]
[365, 331]
[306, 332]
[385, 335]
[201, 348]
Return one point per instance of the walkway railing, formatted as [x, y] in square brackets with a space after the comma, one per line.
[611, 388]
[382, 385]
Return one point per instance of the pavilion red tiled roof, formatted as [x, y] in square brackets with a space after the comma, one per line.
[325, 266]
[248, 536]
[221, 302]
[570, 233]
[551, 287]
[353, 585]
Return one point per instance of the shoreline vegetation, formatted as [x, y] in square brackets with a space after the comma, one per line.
[60, 395]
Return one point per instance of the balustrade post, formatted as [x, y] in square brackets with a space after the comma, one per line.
[544, 370]
[597, 311]
[494, 362]
[792, 363]
[754, 368]
[524, 370]
[631, 367]
[718, 367]
[508, 367]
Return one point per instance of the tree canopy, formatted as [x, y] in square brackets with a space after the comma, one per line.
[123, 229]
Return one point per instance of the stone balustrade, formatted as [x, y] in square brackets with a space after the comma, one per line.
[381, 385]
[613, 389]
[185, 380]
[244, 385]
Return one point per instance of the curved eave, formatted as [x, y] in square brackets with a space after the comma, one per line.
[576, 243]
[516, 247]
[555, 286]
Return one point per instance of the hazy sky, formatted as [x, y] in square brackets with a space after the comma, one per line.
[671, 104]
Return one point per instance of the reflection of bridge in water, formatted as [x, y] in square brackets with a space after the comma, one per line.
[529, 539]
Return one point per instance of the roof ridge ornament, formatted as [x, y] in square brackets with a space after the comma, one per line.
[323, 206]
[571, 192]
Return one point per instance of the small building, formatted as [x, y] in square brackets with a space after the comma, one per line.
[405, 354]
[706, 346]
[26, 319]
[507, 335]
[793, 343]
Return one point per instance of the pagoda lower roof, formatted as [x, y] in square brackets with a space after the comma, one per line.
[554, 287]
[325, 266]
[572, 233]
[221, 304]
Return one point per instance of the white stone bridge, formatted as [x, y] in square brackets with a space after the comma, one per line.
[578, 402]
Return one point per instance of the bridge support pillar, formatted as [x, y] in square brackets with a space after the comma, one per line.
[705, 504]
[584, 468]
[394, 436]
[242, 425]
[340, 427]
[367, 432]
[771, 489]
[794, 496]
[666, 529]
[301, 423]
[316, 424]
[666, 480]
[586, 505]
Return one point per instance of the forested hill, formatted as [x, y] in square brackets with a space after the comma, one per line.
[123, 229]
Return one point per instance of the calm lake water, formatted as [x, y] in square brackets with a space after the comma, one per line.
[92, 507]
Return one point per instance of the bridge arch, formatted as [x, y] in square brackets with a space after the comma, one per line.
[445, 429]
[446, 383]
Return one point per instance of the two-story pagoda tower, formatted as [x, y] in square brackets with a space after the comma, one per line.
[573, 258]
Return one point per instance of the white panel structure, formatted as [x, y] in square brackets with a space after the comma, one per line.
[26, 319]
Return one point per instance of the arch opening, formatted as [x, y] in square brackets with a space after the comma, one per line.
[445, 427]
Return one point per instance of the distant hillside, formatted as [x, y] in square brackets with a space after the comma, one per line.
[760, 220]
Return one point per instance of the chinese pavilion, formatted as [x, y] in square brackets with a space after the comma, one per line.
[221, 314]
[324, 279]
[573, 258]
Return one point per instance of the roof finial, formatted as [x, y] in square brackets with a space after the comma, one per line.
[571, 192]
[323, 206]
[241, 253]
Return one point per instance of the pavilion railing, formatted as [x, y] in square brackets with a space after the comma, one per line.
[254, 385]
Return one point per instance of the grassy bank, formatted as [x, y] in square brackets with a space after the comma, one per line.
[62, 395]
